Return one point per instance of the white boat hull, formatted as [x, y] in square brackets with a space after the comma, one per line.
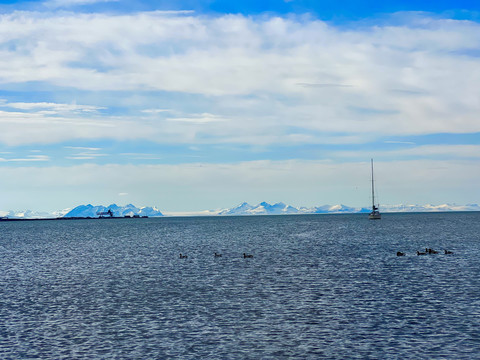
[375, 216]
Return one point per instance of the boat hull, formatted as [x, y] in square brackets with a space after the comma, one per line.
[374, 216]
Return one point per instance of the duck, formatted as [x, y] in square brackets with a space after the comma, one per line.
[421, 253]
[247, 256]
[399, 253]
[448, 252]
[183, 256]
[218, 255]
[431, 251]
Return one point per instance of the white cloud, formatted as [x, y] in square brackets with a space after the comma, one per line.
[461, 151]
[399, 142]
[155, 111]
[142, 156]
[29, 158]
[266, 75]
[199, 119]
[87, 153]
[85, 156]
[82, 148]
[20, 128]
[50, 108]
[71, 3]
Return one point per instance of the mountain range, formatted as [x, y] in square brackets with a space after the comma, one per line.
[280, 208]
[117, 211]
[244, 208]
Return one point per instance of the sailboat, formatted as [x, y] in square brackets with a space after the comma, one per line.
[375, 213]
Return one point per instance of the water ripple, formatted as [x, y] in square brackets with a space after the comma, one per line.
[317, 287]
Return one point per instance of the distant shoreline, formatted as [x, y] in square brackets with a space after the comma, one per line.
[74, 218]
[233, 215]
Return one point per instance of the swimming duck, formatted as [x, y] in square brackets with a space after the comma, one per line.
[421, 253]
[399, 253]
[247, 256]
[448, 252]
[218, 255]
[183, 256]
[431, 251]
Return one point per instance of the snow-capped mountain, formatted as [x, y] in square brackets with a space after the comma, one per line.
[118, 211]
[25, 214]
[280, 208]
[429, 208]
[263, 208]
[331, 209]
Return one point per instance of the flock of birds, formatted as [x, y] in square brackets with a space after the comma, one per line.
[399, 253]
[245, 256]
[427, 251]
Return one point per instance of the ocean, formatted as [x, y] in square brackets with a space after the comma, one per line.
[317, 287]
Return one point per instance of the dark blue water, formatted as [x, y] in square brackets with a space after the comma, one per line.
[325, 286]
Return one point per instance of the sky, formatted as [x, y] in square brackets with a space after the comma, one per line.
[194, 105]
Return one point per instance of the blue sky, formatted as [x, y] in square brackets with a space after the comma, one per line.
[192, 105]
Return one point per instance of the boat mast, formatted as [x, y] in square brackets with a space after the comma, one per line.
[375, 214]
[373, 193]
